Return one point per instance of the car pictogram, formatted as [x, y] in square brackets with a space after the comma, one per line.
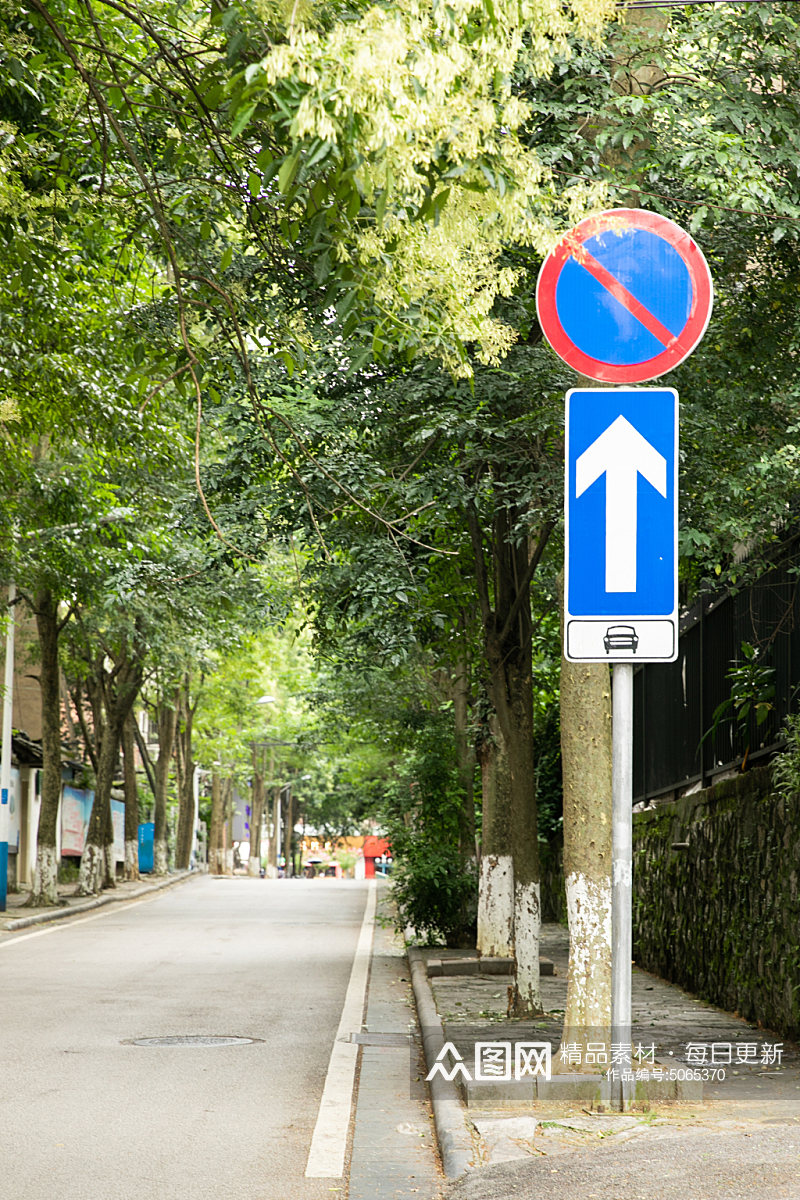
[620, 637]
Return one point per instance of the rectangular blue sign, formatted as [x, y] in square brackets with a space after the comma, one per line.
[621, 524]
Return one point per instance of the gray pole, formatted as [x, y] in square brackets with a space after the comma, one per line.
[621, 887]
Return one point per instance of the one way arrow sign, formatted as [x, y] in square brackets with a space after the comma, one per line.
[621, 525]
[622, 455]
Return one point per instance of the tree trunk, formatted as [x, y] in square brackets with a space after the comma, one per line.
[131, 871]
[466, 760]
[257, 809]
[288, 833]
[94, 872]
[113, 694]
[167, 724]
[45, 879]
[228, 794]
[215, 853]
[185, 834]
[496, 880]
[586, 764]
[525, 994]
[507, 625]
[272, 866]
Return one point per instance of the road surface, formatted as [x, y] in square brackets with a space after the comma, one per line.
[86, 1114]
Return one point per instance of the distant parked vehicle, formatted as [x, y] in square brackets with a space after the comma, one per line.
[620, 637]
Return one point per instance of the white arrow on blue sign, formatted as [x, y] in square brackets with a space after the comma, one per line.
[621, 525]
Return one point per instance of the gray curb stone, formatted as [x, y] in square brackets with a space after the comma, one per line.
[452, 1131]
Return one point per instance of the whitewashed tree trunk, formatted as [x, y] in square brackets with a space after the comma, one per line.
[496, 906]
[527, 930]
[45, 877]
[92, 871]
[110, 864]
[587, 1016]
[161, 857]
[131, 860]
[496, 877]
[254, 867]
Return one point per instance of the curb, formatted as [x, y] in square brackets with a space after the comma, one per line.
[452, 1133]
[59, 914]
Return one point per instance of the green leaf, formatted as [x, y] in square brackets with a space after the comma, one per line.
[242, 118]
[354, 204]
[287, 172]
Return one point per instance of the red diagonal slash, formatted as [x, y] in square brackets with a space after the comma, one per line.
[584, 259]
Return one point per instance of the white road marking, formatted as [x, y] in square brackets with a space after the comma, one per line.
[329, 1143]
[70, 923]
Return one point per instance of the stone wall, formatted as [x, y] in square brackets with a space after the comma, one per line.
[716, 906]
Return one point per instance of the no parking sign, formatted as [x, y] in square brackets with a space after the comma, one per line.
[625, 296]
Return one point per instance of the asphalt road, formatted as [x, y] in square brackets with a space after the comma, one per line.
[86, 1115]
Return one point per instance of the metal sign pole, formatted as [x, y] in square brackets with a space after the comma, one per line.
[622, 1089]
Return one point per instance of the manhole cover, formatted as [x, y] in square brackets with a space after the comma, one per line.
[380, 1039]
[190, 1039]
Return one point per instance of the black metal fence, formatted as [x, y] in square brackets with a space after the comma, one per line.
[676, 739]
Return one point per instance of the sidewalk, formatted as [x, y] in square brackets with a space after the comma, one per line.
[18, 916]
[546, 1147]
[394, 1145]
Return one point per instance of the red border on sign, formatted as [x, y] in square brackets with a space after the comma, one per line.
[680, 347]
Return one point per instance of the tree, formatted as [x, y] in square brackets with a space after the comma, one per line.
[167, 716]
[113, 676]
[586, 758]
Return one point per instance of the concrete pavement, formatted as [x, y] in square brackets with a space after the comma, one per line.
[741, 1140]
[666, 1164]
[394, 1143]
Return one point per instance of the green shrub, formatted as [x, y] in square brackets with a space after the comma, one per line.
[435, 884]
[786, 766]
